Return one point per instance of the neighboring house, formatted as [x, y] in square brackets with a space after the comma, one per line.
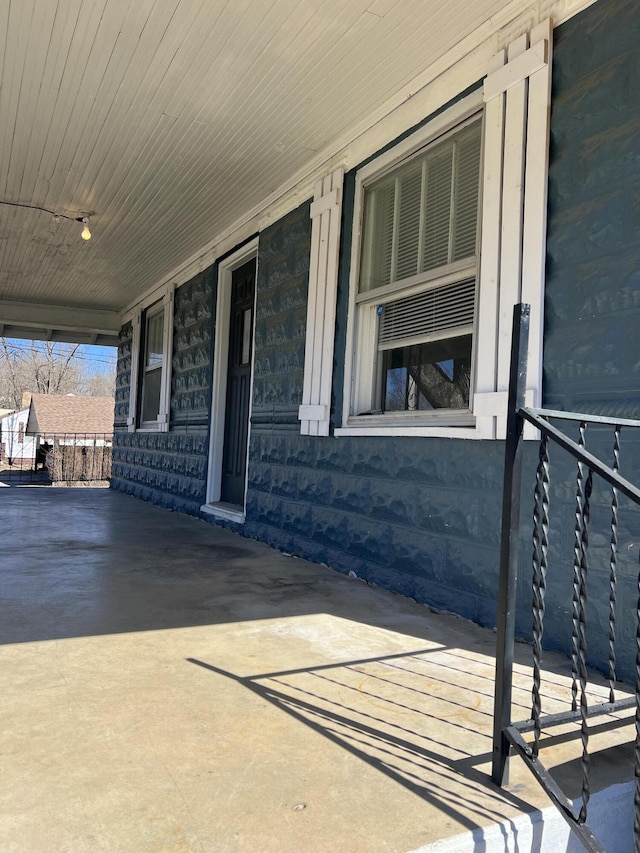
[17, 449]
[67, 418]
[73, 435]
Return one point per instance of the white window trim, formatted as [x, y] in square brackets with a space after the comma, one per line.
[448, 423]
[213, 506]
[161, 424]
[517, 99]
[517, 94]
[326, 214]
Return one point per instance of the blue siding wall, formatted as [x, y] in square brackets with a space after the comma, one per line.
[170, 468]
[191, 367]
[419, 520]
[592, 304]
[123, 377]
[421, 516]
[592, 358]
[281, 319]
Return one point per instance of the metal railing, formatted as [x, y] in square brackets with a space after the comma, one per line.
[54, 459]
[507, 733]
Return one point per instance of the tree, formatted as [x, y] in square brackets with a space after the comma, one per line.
[43, 367]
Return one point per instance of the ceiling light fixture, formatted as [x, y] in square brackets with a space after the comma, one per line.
[86, 233]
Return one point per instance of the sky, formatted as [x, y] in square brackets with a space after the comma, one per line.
[101, 359]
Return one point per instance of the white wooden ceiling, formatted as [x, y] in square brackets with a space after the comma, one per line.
[167, 120]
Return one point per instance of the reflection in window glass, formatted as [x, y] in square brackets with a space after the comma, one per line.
[428, 376]
[152, 366]
[151, 395]
[154, 340]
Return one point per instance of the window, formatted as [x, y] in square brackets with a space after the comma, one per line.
[449, 233]
[152, 364]
[418, 272]
[415, 285]
[151, 352]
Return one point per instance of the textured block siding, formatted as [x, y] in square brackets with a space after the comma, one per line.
[170, 469]
[422, 516]
[592, 299]
[410, 515]
[281, 317]
[417, 516]
[191, 368]
[123, 377]
[592, 357]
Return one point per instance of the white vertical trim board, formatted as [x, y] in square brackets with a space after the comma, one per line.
[535, 208]
[515, 133]
[164, 412]
[512, 206]
[518, 101]
[486, 350]
[136, 321]
[326, 213]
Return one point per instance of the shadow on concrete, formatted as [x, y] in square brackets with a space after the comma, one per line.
[443, 772]
[80, 563]
[24, 477]
[423, 734]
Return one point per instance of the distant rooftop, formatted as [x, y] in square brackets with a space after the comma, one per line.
[60, 413]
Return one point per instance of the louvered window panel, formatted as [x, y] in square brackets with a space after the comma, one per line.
[409, 196]
[425, 214]
[466, 197]
[426, 316]
[438, 210]
[378, 228]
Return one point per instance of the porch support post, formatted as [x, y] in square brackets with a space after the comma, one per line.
[509, 544]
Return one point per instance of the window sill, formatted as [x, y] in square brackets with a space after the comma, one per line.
[228, 512]
[152, 428]
[463, 425]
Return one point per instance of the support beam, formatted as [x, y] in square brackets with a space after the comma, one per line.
[58, 323]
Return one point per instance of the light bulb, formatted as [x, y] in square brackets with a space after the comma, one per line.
[86, 234]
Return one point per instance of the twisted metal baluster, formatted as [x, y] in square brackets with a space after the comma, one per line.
[540, 552]
[575, 598]
[613, 569]
[582, 648]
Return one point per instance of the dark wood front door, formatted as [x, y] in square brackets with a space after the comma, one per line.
[236, 426]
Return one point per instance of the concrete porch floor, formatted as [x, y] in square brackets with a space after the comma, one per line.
[169, 686]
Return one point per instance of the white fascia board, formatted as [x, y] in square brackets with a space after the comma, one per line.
[464, 65]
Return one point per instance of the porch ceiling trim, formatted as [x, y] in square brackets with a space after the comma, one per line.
[58, 323]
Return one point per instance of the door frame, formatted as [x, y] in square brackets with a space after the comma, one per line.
[219, 383]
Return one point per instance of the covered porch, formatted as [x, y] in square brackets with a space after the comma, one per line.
[169, 685]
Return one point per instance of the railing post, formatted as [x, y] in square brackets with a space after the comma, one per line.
[509, 544]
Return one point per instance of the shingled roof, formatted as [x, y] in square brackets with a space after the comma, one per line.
[54, 414]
